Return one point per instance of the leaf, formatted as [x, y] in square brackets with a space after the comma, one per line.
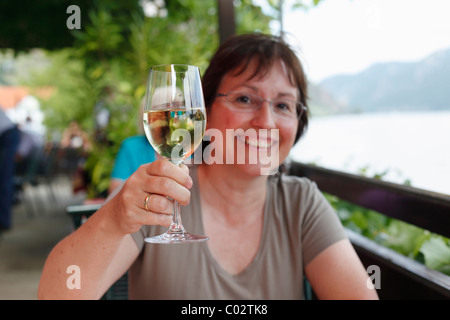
[405, 238]
[437, 254]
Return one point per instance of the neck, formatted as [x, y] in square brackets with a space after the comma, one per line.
[230, 194]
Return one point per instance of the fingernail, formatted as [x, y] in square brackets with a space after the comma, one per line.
[190, 183]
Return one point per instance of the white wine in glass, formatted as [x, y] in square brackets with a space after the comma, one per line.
[174, 123]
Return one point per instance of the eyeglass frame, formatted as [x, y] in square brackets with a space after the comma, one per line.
[299, 105]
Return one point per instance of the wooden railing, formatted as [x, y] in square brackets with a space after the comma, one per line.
[401, 277]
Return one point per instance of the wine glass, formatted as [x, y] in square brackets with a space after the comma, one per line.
[174, 123]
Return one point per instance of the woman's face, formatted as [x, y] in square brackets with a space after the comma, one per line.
[265, 138]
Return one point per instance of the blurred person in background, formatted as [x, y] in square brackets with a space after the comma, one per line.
[9, 141]
[134, 152]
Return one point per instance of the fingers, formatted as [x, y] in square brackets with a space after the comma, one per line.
[165, 168]
[146, 197]
[159, 204]
[154, 218]
[168, 188]
[185, 168]
[168, 180]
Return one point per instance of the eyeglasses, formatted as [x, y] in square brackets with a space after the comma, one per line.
[247, 102]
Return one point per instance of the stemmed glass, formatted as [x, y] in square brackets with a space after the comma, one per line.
[174, 123]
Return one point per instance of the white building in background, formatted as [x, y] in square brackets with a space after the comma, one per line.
[28, 115]
[22, 108]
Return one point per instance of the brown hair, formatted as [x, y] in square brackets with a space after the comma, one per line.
[237, 51]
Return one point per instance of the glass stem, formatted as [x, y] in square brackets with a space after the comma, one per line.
[176, 227]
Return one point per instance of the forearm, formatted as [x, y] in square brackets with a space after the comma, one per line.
[338, 274]
[114, 184]
[102, 249]
[75, 268]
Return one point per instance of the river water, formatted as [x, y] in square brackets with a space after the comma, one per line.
[412, 146]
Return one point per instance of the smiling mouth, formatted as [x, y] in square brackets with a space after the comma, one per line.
[257, 142]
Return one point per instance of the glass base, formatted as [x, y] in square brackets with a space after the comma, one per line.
[169, 238]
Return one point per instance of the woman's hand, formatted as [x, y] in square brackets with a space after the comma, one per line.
[161, 179]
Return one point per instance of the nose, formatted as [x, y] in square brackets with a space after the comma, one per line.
[264, 117]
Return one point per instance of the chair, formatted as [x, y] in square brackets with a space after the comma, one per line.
[26, 176]
[48, 170]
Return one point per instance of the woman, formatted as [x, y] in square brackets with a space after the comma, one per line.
[266, 232]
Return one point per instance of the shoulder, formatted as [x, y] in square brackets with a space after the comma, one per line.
[292, 184]
[135, 140]
[297, 195]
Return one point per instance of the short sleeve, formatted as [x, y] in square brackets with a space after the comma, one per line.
[134, 152]
[321, 226]
[121, 168]
[139, 237]
[146, 231]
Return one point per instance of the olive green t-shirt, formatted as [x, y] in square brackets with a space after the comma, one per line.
[298, 224]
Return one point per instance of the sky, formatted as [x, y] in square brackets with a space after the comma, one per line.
[347, 36]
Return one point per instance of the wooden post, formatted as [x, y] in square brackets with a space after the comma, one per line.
[227, 23]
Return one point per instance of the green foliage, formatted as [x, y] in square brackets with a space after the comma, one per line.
[102, 36]
[421, 245]
[250, 18]
[436, 252]
[75, 94]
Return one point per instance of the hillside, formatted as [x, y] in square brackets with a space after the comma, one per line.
[321, 102]
[411, 86]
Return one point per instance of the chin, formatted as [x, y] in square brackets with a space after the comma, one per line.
[256, 170]
[257, 156]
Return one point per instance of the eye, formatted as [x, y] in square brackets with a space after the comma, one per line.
[242, 98]
[283, 106]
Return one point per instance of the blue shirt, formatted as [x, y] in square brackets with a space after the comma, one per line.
[134, 152]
